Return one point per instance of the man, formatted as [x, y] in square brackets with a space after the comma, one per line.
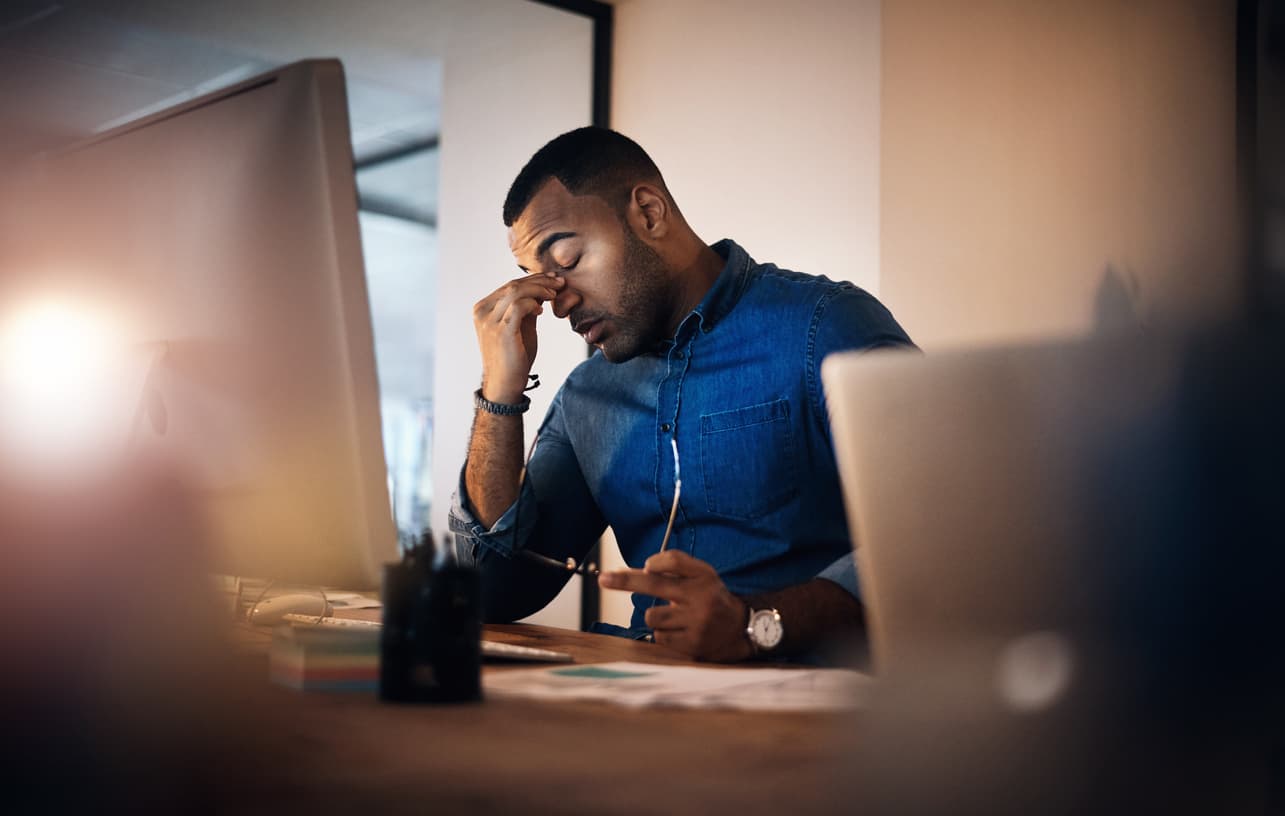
[707, 368]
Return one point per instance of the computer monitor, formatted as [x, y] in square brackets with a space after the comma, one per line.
[220, 240]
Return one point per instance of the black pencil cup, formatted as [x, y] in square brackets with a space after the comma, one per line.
[430, 640]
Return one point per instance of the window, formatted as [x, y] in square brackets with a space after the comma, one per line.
[398, 192]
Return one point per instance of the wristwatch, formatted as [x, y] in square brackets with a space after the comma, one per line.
[764, 629]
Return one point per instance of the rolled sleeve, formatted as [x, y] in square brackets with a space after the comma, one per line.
[844, 573]
[554, 515]
[475, 542]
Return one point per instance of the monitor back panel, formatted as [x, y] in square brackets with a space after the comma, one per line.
[986, 490]
[224, 233]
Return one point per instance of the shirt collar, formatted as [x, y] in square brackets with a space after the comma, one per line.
[728, 287]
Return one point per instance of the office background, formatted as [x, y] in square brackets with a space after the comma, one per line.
[995, 170]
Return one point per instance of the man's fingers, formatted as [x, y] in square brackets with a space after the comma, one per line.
[676, 562]
[519, 310]
[537, 287]
[665, 617]
[658, 586]
[509, 314]
[528, 294]
[677, 639]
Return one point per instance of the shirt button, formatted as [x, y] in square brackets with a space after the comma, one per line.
[664, 428]
[678, 355]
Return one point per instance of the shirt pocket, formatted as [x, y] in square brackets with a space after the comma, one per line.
[747, 460]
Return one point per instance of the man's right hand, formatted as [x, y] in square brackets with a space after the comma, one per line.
[505, 325]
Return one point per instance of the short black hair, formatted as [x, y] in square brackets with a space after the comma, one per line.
[588, 161]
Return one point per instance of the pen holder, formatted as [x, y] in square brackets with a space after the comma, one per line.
[429, 643]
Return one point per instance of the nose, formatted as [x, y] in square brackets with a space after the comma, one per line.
[565, 301]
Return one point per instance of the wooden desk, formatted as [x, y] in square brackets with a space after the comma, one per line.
[351, 752]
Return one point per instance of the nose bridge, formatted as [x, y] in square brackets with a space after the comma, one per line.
[565, 301]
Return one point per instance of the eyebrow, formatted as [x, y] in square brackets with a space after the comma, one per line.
[548, 241]
[551, 240]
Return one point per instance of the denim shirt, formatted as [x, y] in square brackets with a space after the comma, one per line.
[739, 388]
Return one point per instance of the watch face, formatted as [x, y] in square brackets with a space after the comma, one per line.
[766, 629]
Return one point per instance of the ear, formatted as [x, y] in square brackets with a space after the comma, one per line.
[649, 211]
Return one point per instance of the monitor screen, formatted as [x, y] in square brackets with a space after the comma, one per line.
[216, 246]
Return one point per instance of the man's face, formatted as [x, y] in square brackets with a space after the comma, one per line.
[618, 295]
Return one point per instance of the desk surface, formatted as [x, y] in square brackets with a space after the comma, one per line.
[343, 751]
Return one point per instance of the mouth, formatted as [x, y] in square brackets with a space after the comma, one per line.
[590, 329]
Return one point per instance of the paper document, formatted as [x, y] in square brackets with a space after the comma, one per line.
[643, 684]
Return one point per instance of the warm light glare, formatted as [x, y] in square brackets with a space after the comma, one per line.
[60, 367]
[52, 346]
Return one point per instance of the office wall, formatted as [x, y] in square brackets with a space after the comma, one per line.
[513, 77]
[1048, 166]
[764, 118]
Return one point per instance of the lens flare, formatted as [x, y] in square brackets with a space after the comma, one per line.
[62, 394]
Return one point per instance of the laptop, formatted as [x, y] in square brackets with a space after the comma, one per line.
[1068, 554]
[987, 489]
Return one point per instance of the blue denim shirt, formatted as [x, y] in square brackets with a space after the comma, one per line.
[740, 390]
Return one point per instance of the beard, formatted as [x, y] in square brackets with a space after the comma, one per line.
[646, 306]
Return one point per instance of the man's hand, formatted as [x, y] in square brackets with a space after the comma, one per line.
[703, 619]
[505, 325]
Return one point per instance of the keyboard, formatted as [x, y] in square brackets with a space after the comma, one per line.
[490, 648]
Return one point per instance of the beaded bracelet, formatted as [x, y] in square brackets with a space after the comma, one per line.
[500, 408]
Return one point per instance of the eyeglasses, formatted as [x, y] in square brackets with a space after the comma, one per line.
[570, 565]
[673, 511]
[590, 569]
[678, 489]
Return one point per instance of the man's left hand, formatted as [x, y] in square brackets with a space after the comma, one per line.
[702, 619]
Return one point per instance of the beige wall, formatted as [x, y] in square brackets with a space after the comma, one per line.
[764, 118]
[1033, 149]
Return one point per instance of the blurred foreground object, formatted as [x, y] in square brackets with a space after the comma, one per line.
[1146, 671]
[113, 691]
